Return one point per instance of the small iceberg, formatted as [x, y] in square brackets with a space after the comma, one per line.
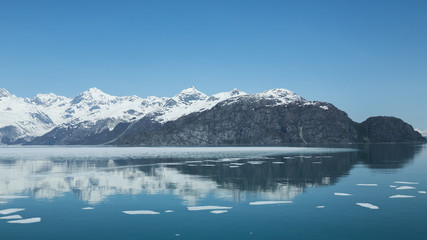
[138, 212]
[393, 186]
[169, 211]
[192, 165]
[256, 162]
[193, 162]
[219, 211]
[26, 221]
[278, 162]
[368, 205]
[268, 202]
[238, 164]
[11, 210]
[320, 206]
[410, 183]
[288, 157]
[367, 184]
[200, 208]
[233, 166]
[342, 194]
[12, 197]
[11, 217]
[401, 196]
[422, 192]
[323, 156]
[317, 162]
[303, 156]
[208, 165]
[88, 208]
[405, 188]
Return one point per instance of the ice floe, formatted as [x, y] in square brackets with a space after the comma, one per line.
[136, 212]
[367, 184]
[268, 202]
[88, 208]
[26, 221]
[320, 206]
[200, 208]
[11, 217]
[238, 164]
[11, 210]
[256, 162]
[323, 156]
[192, 165]
[208, 165]
[219, 211]
[401, 196]
[193, 161]
[405, 188]
[278, 162]
[368, 205]
[393, 186]
[401, 182]
[233, 166]
[342, 194]
[317, 162]
[288, 157]
[169, 211]
[12, 197]
[422, 192]
[303, 156]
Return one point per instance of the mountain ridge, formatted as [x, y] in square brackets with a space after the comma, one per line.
[272, 117]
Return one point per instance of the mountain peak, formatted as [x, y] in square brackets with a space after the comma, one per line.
[189, 95]
[93, 95]
[4, 93]
[283, 96]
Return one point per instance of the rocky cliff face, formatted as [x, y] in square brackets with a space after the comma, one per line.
[250, 121]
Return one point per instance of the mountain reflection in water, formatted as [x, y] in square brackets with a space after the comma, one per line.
[276, 176]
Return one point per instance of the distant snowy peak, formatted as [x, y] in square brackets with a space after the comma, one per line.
[281, 96]
[49, 99]
[189, 96]
[93, 96]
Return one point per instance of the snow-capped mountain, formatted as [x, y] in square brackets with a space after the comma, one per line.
[24, 118]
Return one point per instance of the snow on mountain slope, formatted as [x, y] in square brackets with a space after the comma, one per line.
[37, 116]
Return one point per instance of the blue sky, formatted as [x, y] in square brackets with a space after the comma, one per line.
[366, 57]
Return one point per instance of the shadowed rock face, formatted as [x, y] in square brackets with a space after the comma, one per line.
[388, 129]
[250, 121]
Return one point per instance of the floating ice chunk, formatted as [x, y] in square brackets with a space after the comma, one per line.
[238, 164]
[342, 194]
[177, 235]
[193, 161]
[229, 159]
[401, 196]
[317, 162]
[256, 162]
[393, 186]
[288, 157]
[168, 211]
[367, 184]
[320, 206]
[192, 165]
[405, 188]
[88, 208]
[11, 210]
[400, 182]
[268, 202]
[219, 211]
[1, 202]
[199, 208]
[12, 217]
[26, 221]
[12, 197]
[323, 156]
[278, 162]
[208, 165]
[304, 156]
[234, 166]
[368, 205]
[422, 192]
[149, 212]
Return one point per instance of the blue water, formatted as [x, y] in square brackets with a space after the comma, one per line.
[59, 182]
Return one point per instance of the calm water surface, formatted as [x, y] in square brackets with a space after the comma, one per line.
[315, 191]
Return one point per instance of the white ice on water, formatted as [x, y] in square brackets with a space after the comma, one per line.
[368, 205]
[402, 182]
[11, 210]
[401, 196]
[200, 208]
[393, 186]
[256, 162]
[405, 188]
[12, 197]
[169, 211]
[320, 206]
[137, 212]
[342, 194]
[367, 184]
[11, 217]
[218, 211]
[88, 208]
[26, 221]
[422, 192]
[268, 202]
[278, 162]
